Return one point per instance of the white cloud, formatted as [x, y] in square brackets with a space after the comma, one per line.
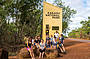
[88, 3]
[83, 11]
[50, 1]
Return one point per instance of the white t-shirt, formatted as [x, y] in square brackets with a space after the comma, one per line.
[42, 45]
[56, 35]
[32, 41]
[54, 40]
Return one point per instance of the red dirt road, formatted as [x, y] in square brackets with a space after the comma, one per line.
[75, 50]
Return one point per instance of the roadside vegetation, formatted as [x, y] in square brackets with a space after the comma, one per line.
[83, 32]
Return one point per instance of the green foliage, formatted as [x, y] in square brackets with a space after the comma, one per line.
[18, 18]
[83, 32]
[86, 26]
[74, 34]
[67, 14]
[25, 14]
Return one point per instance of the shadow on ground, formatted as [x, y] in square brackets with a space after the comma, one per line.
[71, 43]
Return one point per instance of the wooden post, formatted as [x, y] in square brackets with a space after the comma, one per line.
[3, 54]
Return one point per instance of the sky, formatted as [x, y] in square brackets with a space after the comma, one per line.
[83, 11]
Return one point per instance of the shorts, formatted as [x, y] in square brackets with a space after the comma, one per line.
[51, 43]
[62, 45]
[58, 49]
[30, 50]
[42, 50]
[48, 46]
[25, 45]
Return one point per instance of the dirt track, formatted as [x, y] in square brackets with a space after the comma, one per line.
[75, 50]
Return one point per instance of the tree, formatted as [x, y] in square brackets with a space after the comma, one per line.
[24, 13]
[18, 18]
[85, 27]
[84, 31]
[67, 14]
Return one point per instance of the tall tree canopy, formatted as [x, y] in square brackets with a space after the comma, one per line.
[18, 18]
[67, 14]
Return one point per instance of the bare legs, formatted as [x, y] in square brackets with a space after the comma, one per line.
[31, 53]
[63, 48]
[41, 55]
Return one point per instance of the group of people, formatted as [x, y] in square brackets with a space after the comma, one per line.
[55, 41]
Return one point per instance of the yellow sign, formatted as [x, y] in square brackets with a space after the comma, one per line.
[52, 19]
